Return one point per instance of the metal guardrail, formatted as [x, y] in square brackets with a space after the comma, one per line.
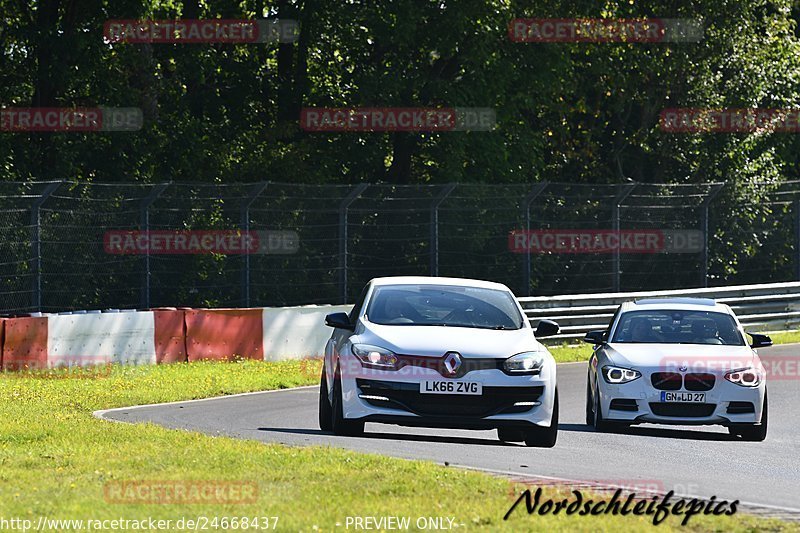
[772, 306]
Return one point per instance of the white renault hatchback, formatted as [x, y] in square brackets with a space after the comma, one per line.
[439, 352]
[677, 361]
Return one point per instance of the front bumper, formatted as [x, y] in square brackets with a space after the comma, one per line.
[639, 401]
[393, 397]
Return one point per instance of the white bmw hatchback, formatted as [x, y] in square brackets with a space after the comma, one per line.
[677, 361]
[439, 352]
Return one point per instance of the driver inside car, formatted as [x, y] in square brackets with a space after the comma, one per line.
[642, 331]
[705, 332]
[396, 310]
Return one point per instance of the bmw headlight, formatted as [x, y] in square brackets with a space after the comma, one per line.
[618, 375]
[375, 356]
[524, 363]
[746, 377]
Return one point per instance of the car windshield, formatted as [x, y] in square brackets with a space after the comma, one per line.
[677, 327]
[444, 305]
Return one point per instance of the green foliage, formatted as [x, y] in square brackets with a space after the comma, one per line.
[566, 112]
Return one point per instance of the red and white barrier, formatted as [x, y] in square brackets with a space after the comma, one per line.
[164, 336]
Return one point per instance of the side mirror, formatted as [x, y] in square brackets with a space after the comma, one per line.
[547, 328]
[339, 320]
[760, 340]
[597, 336]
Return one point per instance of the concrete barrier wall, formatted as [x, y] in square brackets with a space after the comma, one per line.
[273, 334]
[97, 338]
[224, 334]
[25, 343]
[164, 336]
[297, 332]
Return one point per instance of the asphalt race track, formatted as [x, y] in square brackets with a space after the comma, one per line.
[693, 461]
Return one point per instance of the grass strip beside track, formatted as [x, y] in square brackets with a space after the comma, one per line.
[57, 458]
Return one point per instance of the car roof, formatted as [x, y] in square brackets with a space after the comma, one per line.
[687, 304]
[427, 280]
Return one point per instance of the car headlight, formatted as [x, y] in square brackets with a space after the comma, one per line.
[745, 377]
[524, 363]
[375, 356]
[618, 375]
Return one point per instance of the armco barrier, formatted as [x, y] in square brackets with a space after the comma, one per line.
[223, 334]
[769, 306]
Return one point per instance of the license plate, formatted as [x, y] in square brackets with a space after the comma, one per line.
[451, 387]
[684, 397]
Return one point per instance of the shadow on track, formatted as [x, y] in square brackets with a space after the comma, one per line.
[400, 436]
[649, 431]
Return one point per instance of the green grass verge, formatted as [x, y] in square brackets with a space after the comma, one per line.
[56, 459]
[785, 337]
[569, 352]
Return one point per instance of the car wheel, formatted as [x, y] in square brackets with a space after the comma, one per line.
[589, 406]
[599, 423]
[325, 411]
[510, 434]
[753, 432]
[542, 437]
[341, 425]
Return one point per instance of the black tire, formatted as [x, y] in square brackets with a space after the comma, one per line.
[325, 411]
[599, 423]
[753, 432]
[510, 434]
[589, 403]
[341, 425]
[541, 437]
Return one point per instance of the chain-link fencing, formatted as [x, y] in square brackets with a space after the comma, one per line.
[70, 246]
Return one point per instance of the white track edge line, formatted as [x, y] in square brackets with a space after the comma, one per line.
[102, 412]
[101, 415]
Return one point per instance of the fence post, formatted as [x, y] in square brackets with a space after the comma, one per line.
[712, 193]
[537, 191]
[144, 225]
[434, 240]
[244, 224]
[36, 242]
[343, 207]
[627, 189]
